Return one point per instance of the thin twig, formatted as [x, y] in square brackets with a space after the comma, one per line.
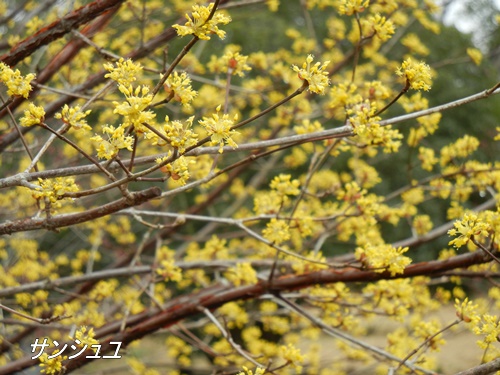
[344, 336]
[229, 339]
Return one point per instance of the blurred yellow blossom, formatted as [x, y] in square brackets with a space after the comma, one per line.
[475, 55]
[350, 7]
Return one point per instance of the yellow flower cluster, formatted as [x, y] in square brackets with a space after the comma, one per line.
[219, 129]
[468, 227]
[315, 75]
[422, 224]
[179, 85]
[426, 331]
[231, 62]
[427, 158]
[74, 117]
[200, 25]
[350, 7]
[242, 274]
[235, 315]
[34, 115]
[134, 109]
[427, 125]
[475, 55]
[179, 135]
[103, 289]
[418, 75]
[382, 27]
[124, 72]
[55, 189]
[86, 337]
[117, 140]
[246, 371]
[17, 85]
[369, 132]
[166, 265]
[481, 324]
[383, 258]
[140, 368]
[179, 349]
[178, 169]
[52, 366]
[461, 148]
[308, 127]
[276, 231]
[414, 44]
[284, 185]
[489, 326]
[293, 356]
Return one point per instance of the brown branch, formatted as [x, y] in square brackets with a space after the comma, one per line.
[56, 30]
[60, 221]
[213, 297]
[484, 369]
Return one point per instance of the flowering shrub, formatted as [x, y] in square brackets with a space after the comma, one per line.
[244, 203]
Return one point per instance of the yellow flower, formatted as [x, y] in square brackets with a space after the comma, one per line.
[383, 258]
[461, 148]
[86, 337]
[315, 75]
[466, 310]
[475, 55]
[382, 27]
[124, 73]
[273, 6]
[489, 326]
[179, 85]
[55, 189]
[103, 289]
[117, 140]
[422, 224]
[267, 202]
[246, 371]
[51, 366]
[32, 116]
[234, 315]
[277, 231]
[179, 135]
[241, 274]
[232, 62]
[169, 271]
[284, 185]
[427, 157]
[350, 7]
[219, 129]
[292, 355]
[74, 117]
[200, 26]
[497, 137]
[17, 85]
[418, 75]
[467, 228]
[134, 108]
[178, 169]
[414, 44]
[308, 127]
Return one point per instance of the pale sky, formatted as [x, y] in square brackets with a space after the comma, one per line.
[461, 22]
